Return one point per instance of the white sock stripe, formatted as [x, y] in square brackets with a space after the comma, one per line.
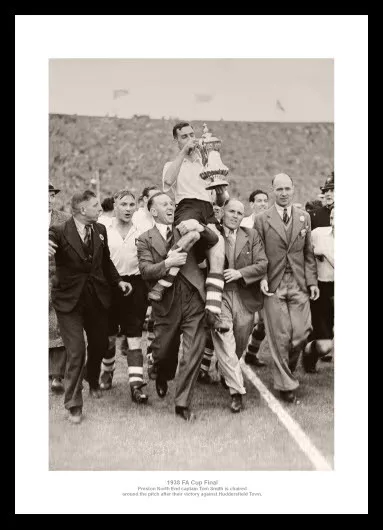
[109, 361]
[214, 281]
[213, 309]
[164, 283]
[135, 370]
[108, 368]
[213, 295]
[135, 379]
[173, 271]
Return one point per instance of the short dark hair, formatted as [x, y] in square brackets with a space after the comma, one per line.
[123, 193]
[257, 192]
[272, 182]
[79, 197]
[145, 191]
[151, 200]
[107, 204]
[178, 126]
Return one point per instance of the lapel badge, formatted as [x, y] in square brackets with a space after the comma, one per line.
[101, 237]
[302, 218]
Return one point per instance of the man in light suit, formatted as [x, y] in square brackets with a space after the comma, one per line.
[81, 295]
[290, 283]
[182, 308]
[245, 266]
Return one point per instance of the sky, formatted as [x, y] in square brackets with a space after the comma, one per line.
[281, 90]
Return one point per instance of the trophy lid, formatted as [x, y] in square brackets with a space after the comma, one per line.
[207, 136]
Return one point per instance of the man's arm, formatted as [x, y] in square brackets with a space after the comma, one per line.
[110, 270]
[258, 269]
[149, 270]
[310, 262]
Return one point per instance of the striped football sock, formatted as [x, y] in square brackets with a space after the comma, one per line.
[214, 289]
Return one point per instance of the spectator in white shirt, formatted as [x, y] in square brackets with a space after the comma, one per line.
[107, 211]
[127, 313]
[259, 202]
[142, 218]
[320, 343]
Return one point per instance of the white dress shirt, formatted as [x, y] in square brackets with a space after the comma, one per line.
[248, 222]
[123, 251]
[323, 242]
[163, 229]
[188, 184]
[143, 220]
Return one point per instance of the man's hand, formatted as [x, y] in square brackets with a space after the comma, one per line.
[189, 146]
[220, 190]
[51, 248]
[314, 292]
[125, 287]
[187, 226]
[231, 275]
[176, 258]
[265, 288]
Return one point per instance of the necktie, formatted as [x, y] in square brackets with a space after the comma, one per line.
[169, 237]
[285, 216]
[88, 238]
[231, 249]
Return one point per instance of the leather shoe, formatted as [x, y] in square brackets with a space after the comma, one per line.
[253, 360]
[138, 396]
[75, 415]
[95, 393]
[57, 386]
[214, 322]
[288, 396]
[236, 403]
[185, 413]
[309, 361]
[161, 387]
[106, 379]
[326, 358]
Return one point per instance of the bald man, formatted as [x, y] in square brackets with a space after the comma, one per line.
[245, 266]
[290, 283]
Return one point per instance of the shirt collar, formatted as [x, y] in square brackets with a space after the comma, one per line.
[163, 228]
[228, 230]
[79, 225]
[281, 208]
[113, 225]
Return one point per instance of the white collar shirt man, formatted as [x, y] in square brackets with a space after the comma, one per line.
[189, 184]
[143, 220]
[123, 251]
[323, 242]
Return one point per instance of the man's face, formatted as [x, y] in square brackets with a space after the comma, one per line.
[91, 209]
[163, 210]
[184, 135]
[124, 208]
[233, 214]
[329, 197]
[283, 190]
[260, 203]
[52, 197]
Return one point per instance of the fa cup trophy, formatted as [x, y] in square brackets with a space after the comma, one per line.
[214, 170]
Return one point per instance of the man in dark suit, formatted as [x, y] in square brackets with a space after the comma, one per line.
[182, 309]
[245, 266]
[81, 295]
[290, 283]
[321, 216]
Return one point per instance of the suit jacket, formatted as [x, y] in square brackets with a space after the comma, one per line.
[298, 252]
[57, 217]
[151, 250]
[73, 269]
[250, 259]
